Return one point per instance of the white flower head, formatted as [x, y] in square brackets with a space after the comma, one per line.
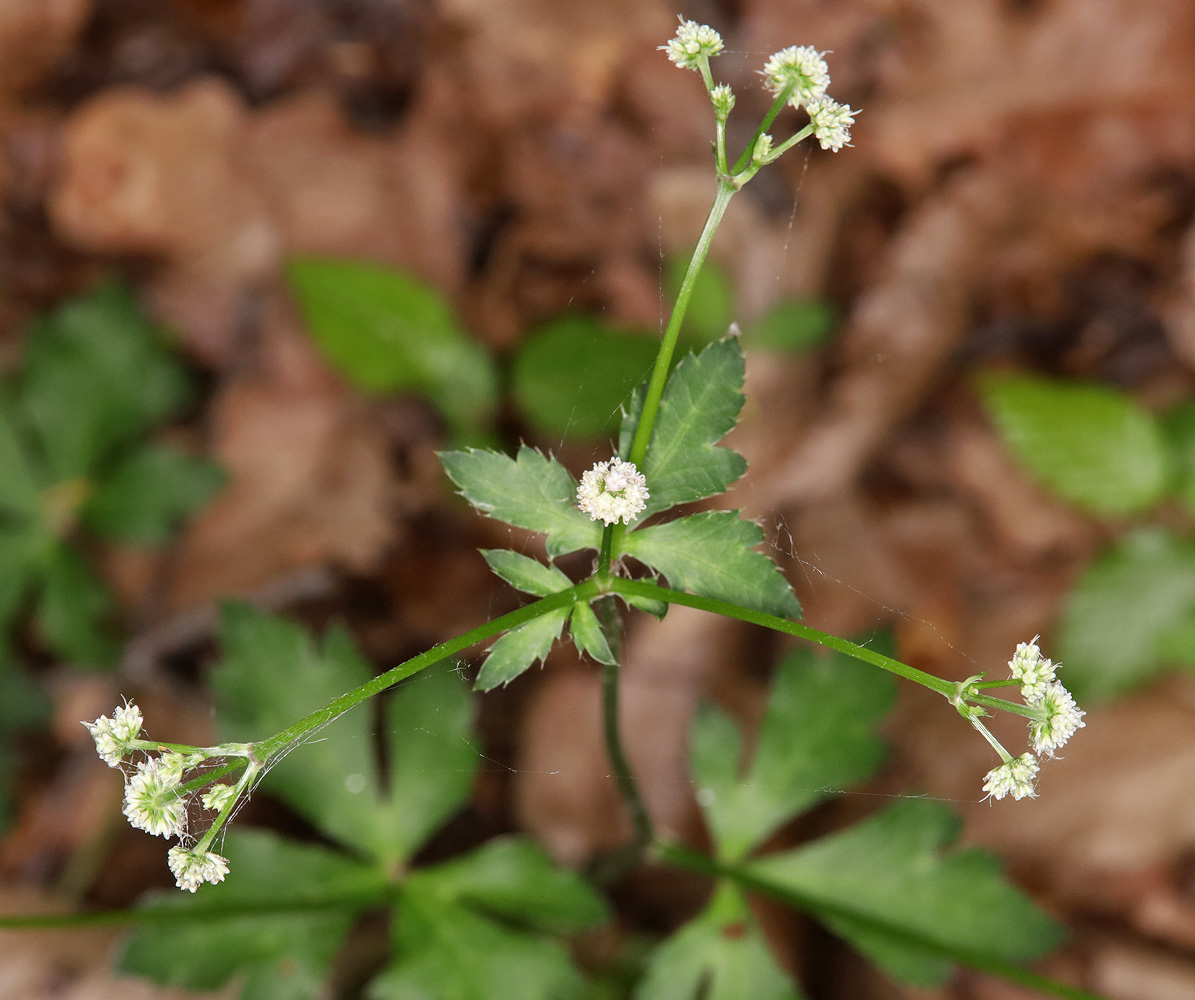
[831, 122]
[1033, 670]
[152, 801]
[611, 491]
[113, 736]
[192, 868]
[801, 67]
[1015, 777]
[692, 44]
[1060, 718]
[722, 98]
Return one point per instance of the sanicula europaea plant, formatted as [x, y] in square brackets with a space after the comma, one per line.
[667, 455]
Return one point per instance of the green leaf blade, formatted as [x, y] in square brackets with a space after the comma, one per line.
[1090, 444]
[526, 574]
[571, 375]
[712, 554]
[1122, 609]
[699, 407]
[916, 904]
[385, 331]
[147, 496]
[588, 635]
[531, 491]
[517, 649]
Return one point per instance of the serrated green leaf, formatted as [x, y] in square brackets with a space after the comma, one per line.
[893, 871]
[513, 878]
[712, 554]
[700, 406]
[532, 491]
[587, 634]
[793, 325]
[385, 331]
[272, 675]
[657, 609]
[432, 758]
[1090, 444]
[72, 612]
[95, 374]
[279, 955]
[719, 955]
[572, 375]
[517, 649]
[443, 951]
[818, 735]
[146, 496]
[526, 574]
[711, 301]
[1118, 612]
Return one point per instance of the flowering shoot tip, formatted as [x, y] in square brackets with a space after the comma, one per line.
[693, 45]
[799, 69]
[611, 491]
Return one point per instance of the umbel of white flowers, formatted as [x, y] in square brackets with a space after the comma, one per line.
[1053, 719]
[156, 798]
[799, 73]
[612, 490]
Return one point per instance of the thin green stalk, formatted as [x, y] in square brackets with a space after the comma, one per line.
[659, 374]
[682, 857]
[288, 737]
[642, 588]
[627, 786]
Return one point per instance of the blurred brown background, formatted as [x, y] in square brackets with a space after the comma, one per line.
[1020, 194]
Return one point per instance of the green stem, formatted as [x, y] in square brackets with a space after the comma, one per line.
[659, 374]
[627, 787]
[682, 857]
[642, 588]
[773, 111]
[268, 748]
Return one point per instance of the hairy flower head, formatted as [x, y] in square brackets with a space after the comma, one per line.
[113, 736]
[192, 868]
[1015, 777]
[692, 44]
[152, 801]
[611, 491]
[831, 122]
[1059, 720]
[800, 67]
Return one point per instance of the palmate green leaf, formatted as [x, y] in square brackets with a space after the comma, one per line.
[148, 494]
[1090, 444]
[273, 674]
[514, 879]
[700, 406]
[719, 955]
[386, 331]
[1123, 611]
[526, 574]
[532, 491]
[712, 554]
[278, 955]
[818, 736]
[518, 648]
[95, 374]
[894, 870]
[572, 375]
[446, 951]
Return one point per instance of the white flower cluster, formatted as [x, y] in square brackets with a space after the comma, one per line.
[154, 799]
[692, 45]
[1056, 718]
[799, 73]
[611, 491]
[800, 67]
[831, 123]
